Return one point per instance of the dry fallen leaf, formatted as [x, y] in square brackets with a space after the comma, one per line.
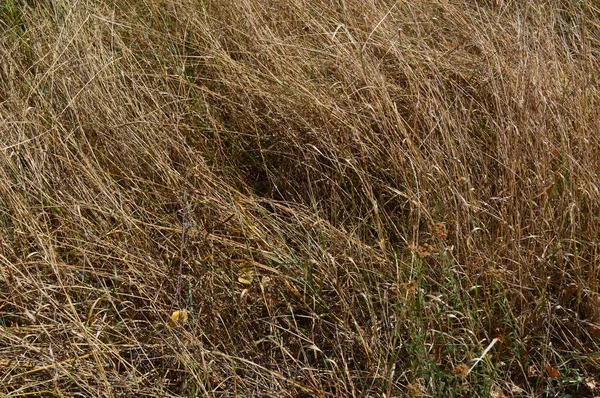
[552, 372]
[591, 384]
[246, 275]
[516, 389]
[265, 281]
[532, 371]
[178, 318]
[594, 330]
[461, 371]
[497, 393]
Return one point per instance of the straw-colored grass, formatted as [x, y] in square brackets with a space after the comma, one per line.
[352, 198]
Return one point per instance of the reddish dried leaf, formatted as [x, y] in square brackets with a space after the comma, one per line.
[461, 371]
[593, 330]
[552, 372]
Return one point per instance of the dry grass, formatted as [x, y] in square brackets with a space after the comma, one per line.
[351, 198]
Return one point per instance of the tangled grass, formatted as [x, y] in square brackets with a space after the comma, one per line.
[346, 198]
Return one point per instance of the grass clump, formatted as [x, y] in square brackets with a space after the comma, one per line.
[299, 199]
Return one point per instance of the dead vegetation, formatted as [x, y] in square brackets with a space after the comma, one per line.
[342, 198]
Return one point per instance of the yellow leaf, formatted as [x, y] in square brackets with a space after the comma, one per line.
[178, 318]
[246, 275]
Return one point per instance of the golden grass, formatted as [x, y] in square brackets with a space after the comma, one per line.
[349, 198]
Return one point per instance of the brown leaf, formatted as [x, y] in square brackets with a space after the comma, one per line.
[551, 372]
[593, 330]
[461, 371]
